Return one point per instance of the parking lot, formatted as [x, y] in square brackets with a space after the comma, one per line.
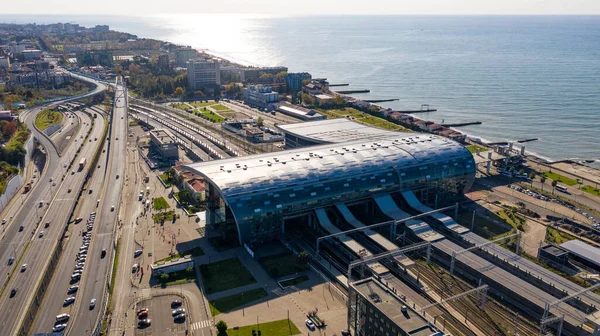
[159, 312]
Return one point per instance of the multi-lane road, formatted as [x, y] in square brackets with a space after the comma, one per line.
[38, 241]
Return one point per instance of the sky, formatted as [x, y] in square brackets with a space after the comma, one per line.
[306, 7]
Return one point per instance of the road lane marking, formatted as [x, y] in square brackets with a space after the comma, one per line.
[202, 324]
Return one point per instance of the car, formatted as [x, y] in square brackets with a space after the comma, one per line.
[13, 292]
[103, 253]
[62, 318]
[23, 267]
[51, 179]
[11, 260]
[47, 224]
[141, 310]
[72, 172]
[179, 317]
[41, 234]
[178, 311]
[90, 191]
[310, 325]
[92, 303]
[345, 333]
[175, 303]
[112, 208]
[117, 176]
[72, 289]
[75, 277]
[143, 315]
[21, 228]
[137, 253]
[3, 221]
[144, 323]
[59, 327]
[69, 300]
[54, 184]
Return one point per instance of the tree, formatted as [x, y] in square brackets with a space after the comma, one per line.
[307, 99]
[9, 100]
[338, 100]
[170, 172]
[260, 121]
[511, 170]
[179, 92]
[186, 196]
[521, 171]
[164, 277]
[303, 259]
[532, 177]
[221, 327]
[554, 184]
[543, 180]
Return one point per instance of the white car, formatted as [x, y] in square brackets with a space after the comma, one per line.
[69, 300]
[178, 311]
[92, 303]
[41, 234]
[310, 325]
[59, 327]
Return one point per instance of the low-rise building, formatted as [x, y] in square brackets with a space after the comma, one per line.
[164, 143]
[300, 112]
[261, 96]
[171, 266]
[196, 186]
[31, 54]
[324, 99]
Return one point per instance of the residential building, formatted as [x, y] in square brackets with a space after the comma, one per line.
[102, 29]
[261, 96]
[252, 74]
[31, 54]
[183, 56]
[163, 62]
[4, 62]
[164, 143]
[312, 89]
[104, 58]
[294, 80]
[203, 74]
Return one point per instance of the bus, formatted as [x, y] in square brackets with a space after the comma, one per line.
[561, 188]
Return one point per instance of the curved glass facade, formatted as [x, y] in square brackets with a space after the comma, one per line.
[255, 193]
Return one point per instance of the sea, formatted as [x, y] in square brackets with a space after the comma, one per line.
[521, 76]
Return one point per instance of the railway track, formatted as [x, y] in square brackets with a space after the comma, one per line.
[495, 319]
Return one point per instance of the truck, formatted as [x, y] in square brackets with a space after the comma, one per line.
[81, 164]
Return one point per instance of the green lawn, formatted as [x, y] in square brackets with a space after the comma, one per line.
[48, 118]
[220, 107]
[195, 252]
[473, 148]
[212, 116]
[202, 104]
[557, 237]
[160, 204]
[514, 220]
[176, 278]
[365, 118]
[180, 106]
[228, 303]
[224, 275]
[166, 179]
[560, 178]
[591, 190]
[164, 216]
[275, 328]
[281, 265]
[293, 281]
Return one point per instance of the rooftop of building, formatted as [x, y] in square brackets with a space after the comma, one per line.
[390, 305]
[555, 250]
[299, 111]
[197, 184]
[337, 130]
[182, 260]
[583, 250]
[269, 172]
[164, 136]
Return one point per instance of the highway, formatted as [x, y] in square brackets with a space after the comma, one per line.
[37, 255]
[93, 284]
[57, 289]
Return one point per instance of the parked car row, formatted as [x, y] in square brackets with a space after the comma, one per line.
[539, 196]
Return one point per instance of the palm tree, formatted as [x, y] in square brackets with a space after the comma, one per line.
[554, 184]
[543, 180]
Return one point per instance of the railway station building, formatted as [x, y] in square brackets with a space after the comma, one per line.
[251, 197]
